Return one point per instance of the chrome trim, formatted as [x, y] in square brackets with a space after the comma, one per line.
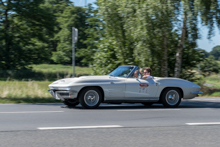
[196, 92]
[52, 93]
[73, 94]
[58, 88]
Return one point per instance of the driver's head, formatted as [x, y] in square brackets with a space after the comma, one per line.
[147, 71]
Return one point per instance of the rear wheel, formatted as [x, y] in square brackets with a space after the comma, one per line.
[90, 97]
[171, 97]
[71, 102]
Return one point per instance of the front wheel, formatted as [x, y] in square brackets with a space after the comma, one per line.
[90, 97]
[171, 97]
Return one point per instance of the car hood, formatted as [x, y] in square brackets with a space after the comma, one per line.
[83, 79]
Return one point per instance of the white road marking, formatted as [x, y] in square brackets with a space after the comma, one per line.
[31, 112]
[79, 127]
[150, 110]
[206, 123]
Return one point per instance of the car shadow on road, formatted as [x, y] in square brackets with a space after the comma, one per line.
[111, 107]
[200, 104]
[183, 105]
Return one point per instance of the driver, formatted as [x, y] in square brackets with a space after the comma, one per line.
[147, 73]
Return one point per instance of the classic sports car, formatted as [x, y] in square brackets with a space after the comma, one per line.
[121, 86]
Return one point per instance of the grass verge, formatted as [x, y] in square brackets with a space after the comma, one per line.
[25, 92]
[28, 100]
[58, 68]
[31, 85]
[214, 89]
[44, 72]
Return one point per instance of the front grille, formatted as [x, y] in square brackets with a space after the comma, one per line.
[64, 94]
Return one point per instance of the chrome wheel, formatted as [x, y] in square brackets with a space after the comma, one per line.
[172, 97]
[91, 98]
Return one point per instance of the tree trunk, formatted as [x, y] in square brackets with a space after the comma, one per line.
[7, 41]
[180, 49]
[6, 24]
[164, 66]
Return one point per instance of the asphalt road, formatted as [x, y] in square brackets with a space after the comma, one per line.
[195, 122]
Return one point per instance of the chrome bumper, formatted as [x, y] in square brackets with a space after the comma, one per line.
[61, 95]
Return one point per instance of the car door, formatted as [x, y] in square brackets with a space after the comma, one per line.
[140, 89]
[115, 89]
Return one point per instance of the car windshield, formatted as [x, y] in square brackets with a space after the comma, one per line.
[121, 71]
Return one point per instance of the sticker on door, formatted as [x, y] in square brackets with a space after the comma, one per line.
[143, 88]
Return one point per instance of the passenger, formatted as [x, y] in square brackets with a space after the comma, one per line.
[135, 74]
[147, 73]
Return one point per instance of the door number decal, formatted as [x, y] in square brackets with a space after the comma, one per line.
[144, 85]
[143, 88]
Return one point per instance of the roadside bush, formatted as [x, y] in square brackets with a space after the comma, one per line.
[27, 74]
[209, 66]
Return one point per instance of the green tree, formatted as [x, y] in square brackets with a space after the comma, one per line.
[94, 34]
[71, 16]
[204, 53]
[105, 60]
[156, 24]
[142, 30]
[23, 25]
[216, 52]
[192, 10]
[146, 33]
[209, 65]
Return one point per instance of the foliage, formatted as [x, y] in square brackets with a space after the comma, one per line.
[94, 34]
[216, 52]
[141, 32]
[144, 33]
[209, 65]
[23, 25]
[105, 59]
[44, 72]
[213, 79]
[67, 16]
[31, 32]
[204, 53]
[210, 85]
[71, 17]
[58, 68]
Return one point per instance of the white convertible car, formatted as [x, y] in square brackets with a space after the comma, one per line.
[120, 86]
